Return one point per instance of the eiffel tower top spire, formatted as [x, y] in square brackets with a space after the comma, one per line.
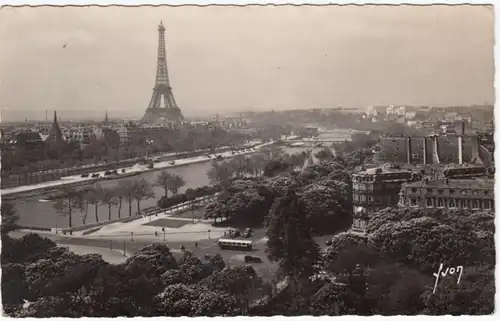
[106, 117]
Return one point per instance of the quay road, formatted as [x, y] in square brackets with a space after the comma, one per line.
[15, 180]
[36, 212]
[27, 190]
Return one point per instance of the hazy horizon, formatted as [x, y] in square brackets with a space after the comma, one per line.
[83, 61]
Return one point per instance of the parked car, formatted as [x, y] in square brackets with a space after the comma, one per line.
[252, 259]
[247, 233]
[85, 175]
[234, 233]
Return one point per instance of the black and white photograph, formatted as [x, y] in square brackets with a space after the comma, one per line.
[259, 160]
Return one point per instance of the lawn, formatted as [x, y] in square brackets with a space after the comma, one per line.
[197, 213]
[165, 222]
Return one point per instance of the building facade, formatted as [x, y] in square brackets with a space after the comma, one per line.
[375, 189]
[472, 194]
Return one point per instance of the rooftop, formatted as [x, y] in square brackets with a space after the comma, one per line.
[455, 183]
[384, 169]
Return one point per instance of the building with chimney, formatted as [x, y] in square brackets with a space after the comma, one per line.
[471, 194]
[374, 189]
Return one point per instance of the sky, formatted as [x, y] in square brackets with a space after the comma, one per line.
[83, 61]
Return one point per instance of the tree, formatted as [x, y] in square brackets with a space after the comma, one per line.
[191, 197]
[163, 180]
[476, 289]
[143, 191]
[95, 197]
[324, 208]
[170, 182]
[289, 239]
[176, 183]
[325, 155]
[128, 188]
[109, 198]
[257, 163]
[333, 300]
[427, 238]
[240, 165]
[176, 300]
[241, 282]
[9, 217]
[25, 249]
[119, 195]
[152, 261]
[192, 269]
[85, 204]
[276, 167]
[220, 173]
[396, 289]
[71, 200]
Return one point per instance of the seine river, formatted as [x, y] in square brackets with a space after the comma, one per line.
[36, 212]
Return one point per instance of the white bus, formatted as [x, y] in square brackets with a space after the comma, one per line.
[235, 244]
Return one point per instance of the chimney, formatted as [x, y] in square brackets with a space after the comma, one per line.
[408, 150]
[475, 148]
[460, 150]
[435, 151]
[424, 144]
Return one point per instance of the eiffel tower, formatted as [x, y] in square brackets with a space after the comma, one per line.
[156, 111]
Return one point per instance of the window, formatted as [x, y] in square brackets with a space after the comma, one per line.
[413, 202]
[463, 192]
[440, 202]
[429, 202]
[452, 191]
[463, 204]
[487, 205]
[429, 190]
[474, 192]
[413, 190]
[486, 192]
[451, 203]
[475, 204]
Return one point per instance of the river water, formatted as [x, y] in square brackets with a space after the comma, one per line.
[37, 212]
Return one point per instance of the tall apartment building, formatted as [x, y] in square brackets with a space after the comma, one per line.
[375, 189]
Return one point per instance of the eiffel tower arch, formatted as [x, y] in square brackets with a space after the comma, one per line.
[162, 106]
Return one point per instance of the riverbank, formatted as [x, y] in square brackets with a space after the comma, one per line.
[74, 181]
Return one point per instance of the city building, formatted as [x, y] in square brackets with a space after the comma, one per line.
[375, 189]
[81, 135]
[471, 194]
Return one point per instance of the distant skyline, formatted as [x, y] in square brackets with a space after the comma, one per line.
[83, 61]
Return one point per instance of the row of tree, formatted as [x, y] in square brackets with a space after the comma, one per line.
[21, 159]
[325, 188]
[125, 192]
